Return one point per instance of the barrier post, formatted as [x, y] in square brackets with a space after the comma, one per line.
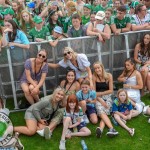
[127, 45]
[12, 78]
[99, 45]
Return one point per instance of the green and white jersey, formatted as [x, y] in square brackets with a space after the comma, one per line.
[135, 20]
[74, 115]
[43, 33]
[120, 23]
[85, 19]
[101, 8]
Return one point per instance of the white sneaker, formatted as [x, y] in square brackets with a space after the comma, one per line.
[62, 145]
[40, 132]
[139, 107]
[85, 118]
[142, 104]
[149, 120]
[145, 109]
[47, 133]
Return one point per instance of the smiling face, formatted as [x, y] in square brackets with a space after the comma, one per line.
[70, 76]
[59, 96]
[72, 105]
[122, 96]
[41, 56]
[85, 88]
[54, 16]
[15, 6]
[147, 39]
[68, 54]
[98, 69]
[86, 11]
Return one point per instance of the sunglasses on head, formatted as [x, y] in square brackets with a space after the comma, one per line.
[43, 56]
[65, 54]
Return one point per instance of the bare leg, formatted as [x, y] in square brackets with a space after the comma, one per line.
[148, 81]
[102, 124]
[93, 118]
[52, 125]
[83, 105]
[135, 113]
[83, 132]
[25, 88]
[106, 120]
[29, 129]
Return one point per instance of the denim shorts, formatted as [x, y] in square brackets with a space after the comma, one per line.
[90, 110]
[81, 125]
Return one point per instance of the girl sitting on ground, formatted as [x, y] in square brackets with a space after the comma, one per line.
[73, 119]
[70, 84]
[87, 100]
[123, 111]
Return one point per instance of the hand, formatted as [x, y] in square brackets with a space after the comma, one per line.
[8, 30]
[88, 101]
[118, 31]
[11, 44]
[126, 86]
[105, 105]
[43, 121]
[128, 117]
[124, 117]
[35, 91]
[95, 30]
[38, 40]
[100, 38]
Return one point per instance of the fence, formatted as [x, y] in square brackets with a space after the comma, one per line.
[112, 54]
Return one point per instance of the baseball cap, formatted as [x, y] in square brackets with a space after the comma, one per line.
[134, 4]
[100, 15]
[58, 29]
[8, 11]
[87, 6]
[37, 19]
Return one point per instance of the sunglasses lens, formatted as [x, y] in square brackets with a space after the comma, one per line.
[40, 55]
[65, 54]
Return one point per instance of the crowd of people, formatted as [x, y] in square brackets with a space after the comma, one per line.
[83, 96]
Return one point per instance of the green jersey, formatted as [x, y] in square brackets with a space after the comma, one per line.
[85, 19]
[120, 23]
[43, 33]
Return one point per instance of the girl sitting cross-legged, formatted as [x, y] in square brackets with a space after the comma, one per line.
[73, 119]
[122, 110]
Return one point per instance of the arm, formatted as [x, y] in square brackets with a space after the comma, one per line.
[127, 28]
[90, 31]
[107, 32]
[25, 46]
[77, 86]
[90, 76]
[145, 26]
[114, 28]
[137, 48]
[110, 81]
[76, 124]
[51, 65]
[121, 78]
[121, 115]
[4, 41]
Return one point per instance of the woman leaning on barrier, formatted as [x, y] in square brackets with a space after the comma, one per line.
[77, 62]
[142, 59]
[34, 76]
[44, 115]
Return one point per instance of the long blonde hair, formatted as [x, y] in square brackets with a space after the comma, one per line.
[104, 73]
[22, 22]
[63, 102]
[69, 49]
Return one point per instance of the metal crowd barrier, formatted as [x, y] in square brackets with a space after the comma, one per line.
[112, 54]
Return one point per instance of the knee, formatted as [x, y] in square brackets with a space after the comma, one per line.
[31, 87]
[88, 132]
[148, 76]
[67, 119]
[26, 91]
[116, 116]
[94, 120]
[31, 132]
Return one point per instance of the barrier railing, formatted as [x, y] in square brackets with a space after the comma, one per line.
[112, 54]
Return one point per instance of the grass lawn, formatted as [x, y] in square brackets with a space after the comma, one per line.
[140, 141]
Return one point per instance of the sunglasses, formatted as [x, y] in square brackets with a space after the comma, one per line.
[40, 55]
[65, 54]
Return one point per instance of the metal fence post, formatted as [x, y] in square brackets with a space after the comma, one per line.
[127, 45]
[12, 78]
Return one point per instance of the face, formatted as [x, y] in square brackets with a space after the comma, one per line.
[59, 96]
[108, 14]
[85, 88]
[8, 17]
[143, 10]
[8, 25]
[147, 39]
[70, 76]
[141, 1]
[120, 15]
[117, 4]
[96, 2]
[39, 25]
[76, 23]
[122, 96]
[98, 69]
[99, 21]
[86, 11]
[41, 56]
[104, 2]
[14, 6]
[54, 7]
[55, 16]
[25, 17]
[129, 66]
[72, 105]
[92, 18]
[67, 54]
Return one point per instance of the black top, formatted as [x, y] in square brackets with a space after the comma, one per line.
[102, 86]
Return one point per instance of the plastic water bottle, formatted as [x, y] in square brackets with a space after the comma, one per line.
[84, 146]
[114, 121]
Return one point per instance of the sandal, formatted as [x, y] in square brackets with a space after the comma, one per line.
[131, 131]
